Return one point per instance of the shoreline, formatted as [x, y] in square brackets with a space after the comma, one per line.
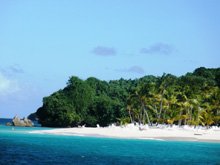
[133, 132]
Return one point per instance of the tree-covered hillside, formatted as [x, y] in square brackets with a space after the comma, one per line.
[192, 99]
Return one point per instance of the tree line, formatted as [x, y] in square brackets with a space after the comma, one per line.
[191, 99]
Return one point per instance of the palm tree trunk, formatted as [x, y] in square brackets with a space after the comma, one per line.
[180, 120]
[129, 111]
[157, 113]
[148, 119]
[161, 108]
[190, 115]
[164, 113]
[139, 119]
[143, 117]
[185, 121]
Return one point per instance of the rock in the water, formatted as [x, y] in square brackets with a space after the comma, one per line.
[25, 122]
[8, 124]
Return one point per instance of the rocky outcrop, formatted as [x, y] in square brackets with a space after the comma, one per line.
[8, 124]
[25, 122]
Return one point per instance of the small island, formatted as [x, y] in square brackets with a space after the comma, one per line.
[187, 103]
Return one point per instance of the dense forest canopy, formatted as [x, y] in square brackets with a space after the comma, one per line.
[192, 99]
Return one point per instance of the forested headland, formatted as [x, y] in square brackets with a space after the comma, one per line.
[191, 99]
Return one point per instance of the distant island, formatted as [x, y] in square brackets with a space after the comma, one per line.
[192, 99]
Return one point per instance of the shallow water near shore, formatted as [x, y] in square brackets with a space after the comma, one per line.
[18, 146]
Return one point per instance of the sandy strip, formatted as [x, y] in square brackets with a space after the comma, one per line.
[134, 133]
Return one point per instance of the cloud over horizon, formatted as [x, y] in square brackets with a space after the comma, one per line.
[158, 48]
[133, 69]
[7, 86]
[104, 51]
[16, 68]
[12, 70]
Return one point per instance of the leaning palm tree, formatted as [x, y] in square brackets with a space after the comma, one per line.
[214, 101]
[143, 94]
[207, 118]
[134, 108]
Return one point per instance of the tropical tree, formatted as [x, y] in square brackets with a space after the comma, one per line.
[192, 99]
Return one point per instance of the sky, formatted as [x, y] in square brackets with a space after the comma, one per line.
[44, 42]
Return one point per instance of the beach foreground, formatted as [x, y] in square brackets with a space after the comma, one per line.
[134, 132]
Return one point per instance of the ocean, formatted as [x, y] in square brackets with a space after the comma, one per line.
[18, 146]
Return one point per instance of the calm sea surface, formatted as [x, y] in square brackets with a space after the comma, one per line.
[18, 146]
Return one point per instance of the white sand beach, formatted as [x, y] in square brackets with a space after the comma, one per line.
[133, 132]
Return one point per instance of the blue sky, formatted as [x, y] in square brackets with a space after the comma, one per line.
[44, 42]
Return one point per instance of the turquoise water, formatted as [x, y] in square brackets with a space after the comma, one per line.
[18, 146]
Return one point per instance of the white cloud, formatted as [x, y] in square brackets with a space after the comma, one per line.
[159, 48]
[133, 69]
[8, 86]
[11, 70]
[104, 51]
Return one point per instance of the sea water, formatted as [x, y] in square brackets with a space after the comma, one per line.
[19, 146]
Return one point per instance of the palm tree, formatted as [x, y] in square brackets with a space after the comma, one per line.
[214, 101]
[143, 94]
[207, 118]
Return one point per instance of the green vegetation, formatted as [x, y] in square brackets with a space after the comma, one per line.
[192, 99]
